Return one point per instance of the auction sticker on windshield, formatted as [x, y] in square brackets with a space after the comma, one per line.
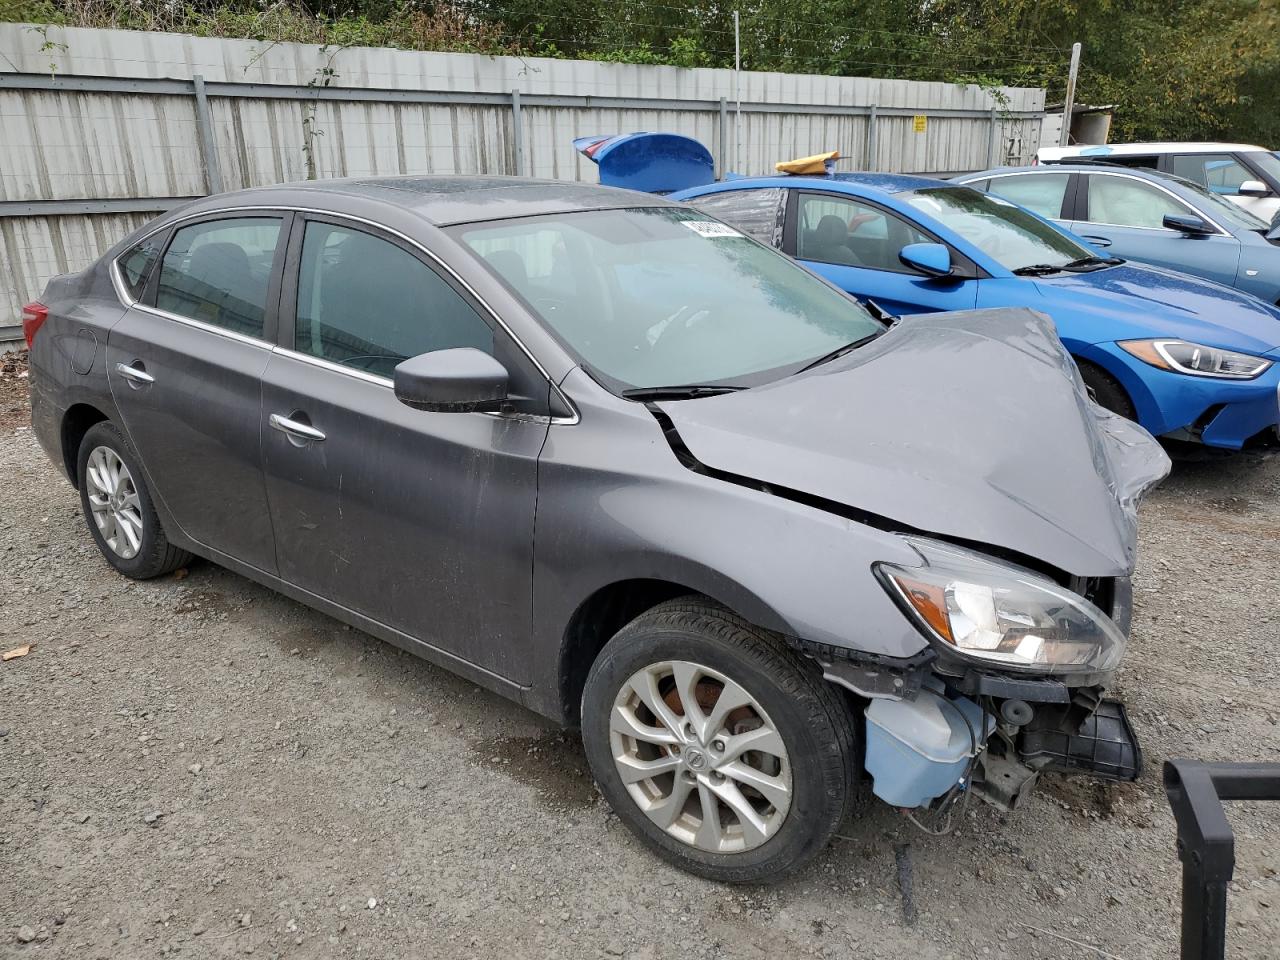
[709, 228]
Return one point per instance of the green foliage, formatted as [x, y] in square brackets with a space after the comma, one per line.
[1174, 69]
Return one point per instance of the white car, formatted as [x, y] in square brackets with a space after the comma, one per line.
[1246, 175]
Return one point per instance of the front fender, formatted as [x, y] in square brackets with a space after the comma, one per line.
[613, 507]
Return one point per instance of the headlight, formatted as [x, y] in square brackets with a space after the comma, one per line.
[1195, 359]
[1002, 615]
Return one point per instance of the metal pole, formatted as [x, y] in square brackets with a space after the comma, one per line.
[724, 137]
[1069, 101]
[517, 134]
[871, 136]
[991, 141]
[737, 94]
[208, 146]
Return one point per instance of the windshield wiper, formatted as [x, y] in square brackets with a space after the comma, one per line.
[1075, 266]
[683, 391]
[840, 351]
[1091, 261]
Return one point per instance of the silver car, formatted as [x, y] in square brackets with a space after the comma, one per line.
[609, 457]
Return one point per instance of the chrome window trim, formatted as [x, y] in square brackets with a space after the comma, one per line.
[389, 384]
[130, 303]
[118, 282]
[1127, 176]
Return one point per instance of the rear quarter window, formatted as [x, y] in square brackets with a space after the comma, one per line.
[757, 213]
[136, 264]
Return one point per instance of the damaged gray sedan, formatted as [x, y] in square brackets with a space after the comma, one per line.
[632, 469]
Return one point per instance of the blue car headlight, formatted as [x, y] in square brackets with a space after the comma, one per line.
[1195, 359]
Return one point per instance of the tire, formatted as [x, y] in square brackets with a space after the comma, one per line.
[151, 555]
[712, 647]
[1106, 390]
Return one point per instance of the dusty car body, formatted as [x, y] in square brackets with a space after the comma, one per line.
[728, 583]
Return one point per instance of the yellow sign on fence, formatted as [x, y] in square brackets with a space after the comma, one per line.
[919, 123]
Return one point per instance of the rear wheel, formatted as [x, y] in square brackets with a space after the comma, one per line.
[721, 748]
[1106, 390]
[117, 506]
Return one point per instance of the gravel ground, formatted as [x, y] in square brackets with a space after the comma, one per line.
[197, 766]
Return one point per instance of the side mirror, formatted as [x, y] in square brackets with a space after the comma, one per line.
[1186, 223]
[1254, 188]
[932, 259]
[461, 380]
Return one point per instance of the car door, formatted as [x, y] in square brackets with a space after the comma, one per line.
[420, 521]
[184, 365]
[1124, 216]
[855, 245]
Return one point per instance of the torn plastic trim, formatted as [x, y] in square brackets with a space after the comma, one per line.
[866, 517]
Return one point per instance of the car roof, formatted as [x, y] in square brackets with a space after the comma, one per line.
[881, 182]
[1129, 149]
[1115, 169]
[446, 200]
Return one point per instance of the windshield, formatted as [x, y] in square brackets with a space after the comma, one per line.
[1006, 233]
[662, 296]
[1222, 209]
[1268, 163]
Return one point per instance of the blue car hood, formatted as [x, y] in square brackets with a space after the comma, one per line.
[1152, 301]
[971, 425]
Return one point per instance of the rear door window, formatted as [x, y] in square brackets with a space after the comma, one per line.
[757, 213]
[1125, 202]
[1219, 173]
[367, 303]
[844, 231]
[1041, 193]
[218, 272]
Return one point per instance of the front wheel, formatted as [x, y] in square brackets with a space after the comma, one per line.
[721, 748]
[1106, 390]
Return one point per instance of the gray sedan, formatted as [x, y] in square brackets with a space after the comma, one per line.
[613, 459]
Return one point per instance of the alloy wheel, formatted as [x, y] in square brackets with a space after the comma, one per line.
[113, 500]
[700, 757]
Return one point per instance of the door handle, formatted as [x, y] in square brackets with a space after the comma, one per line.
[303, 431]
[136, 374]
[1096, 241]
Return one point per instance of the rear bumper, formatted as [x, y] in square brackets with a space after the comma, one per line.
[1217, 413]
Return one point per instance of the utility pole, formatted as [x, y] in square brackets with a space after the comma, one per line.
[1070, 101]
[737, 94]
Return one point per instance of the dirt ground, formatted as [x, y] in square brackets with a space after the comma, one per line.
[197, 766]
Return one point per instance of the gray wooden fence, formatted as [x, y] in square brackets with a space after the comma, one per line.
[103, 129]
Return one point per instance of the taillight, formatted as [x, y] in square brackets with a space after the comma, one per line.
[33, 317]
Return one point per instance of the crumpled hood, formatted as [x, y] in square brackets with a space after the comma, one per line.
[1177, 304]
[970, 425]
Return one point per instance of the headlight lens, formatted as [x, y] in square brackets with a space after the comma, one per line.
[1002, 615]
[1195, 359]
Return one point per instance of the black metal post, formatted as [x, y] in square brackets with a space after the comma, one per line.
[1206, 845]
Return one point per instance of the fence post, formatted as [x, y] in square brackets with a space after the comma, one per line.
[991, 141]
[208, 145]
[724, 135]
[871, 137]
[517, 133]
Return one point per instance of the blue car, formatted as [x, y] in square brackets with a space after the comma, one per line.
[1145, 215]
[1189, 359]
